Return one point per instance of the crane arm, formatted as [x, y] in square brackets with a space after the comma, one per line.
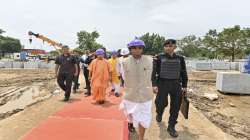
[51, 42]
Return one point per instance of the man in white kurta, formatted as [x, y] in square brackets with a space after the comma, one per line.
[137, 101]
[125, 53]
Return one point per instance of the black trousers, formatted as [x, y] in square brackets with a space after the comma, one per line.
[76, 84]
[86, 75]
[76, 79]
[172, 88]
[122, 82]
[64, 80]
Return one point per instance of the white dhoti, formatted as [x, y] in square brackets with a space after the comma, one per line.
[138, 113]
[116, 87]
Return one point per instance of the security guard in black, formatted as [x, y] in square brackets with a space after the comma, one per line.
[169, 77]
[66, 68]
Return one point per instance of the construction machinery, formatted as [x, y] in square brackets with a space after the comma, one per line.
[51, 42]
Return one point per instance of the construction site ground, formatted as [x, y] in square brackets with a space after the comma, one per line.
[28, 97]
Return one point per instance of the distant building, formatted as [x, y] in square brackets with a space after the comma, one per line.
[35, 51]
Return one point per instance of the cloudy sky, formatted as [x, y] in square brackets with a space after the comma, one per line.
[118, 21]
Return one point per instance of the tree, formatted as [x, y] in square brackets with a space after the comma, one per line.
[192, 46]
[80, 51]
[246, 32]
[54, 53]
[10, 45]
[247, 51]
[1, 31]
[154, 43]
[230, 42]
[87, 41]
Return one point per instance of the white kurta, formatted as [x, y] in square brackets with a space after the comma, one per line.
[121, 70]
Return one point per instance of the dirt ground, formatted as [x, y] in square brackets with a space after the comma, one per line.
[21, 88]
[28, 97]
[230, 112]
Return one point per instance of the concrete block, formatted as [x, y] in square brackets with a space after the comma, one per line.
[189, 68]
[233, 82]
[242, 67]
[234, 66]
[43, 65]
[220, 65]
[31, 65]
[51, 65]
[17, 65]
[8, 64]
[1, 64]
[203, 66]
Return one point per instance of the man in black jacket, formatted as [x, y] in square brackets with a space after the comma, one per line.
[169, 77]
[85, 63]
[65, 70]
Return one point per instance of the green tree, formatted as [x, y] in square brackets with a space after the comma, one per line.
[10, 45]
[79, 50]
[188, 46]
[192, 46]
[1, 31]
[54, 53]
[87, 41]
[154, 43]
[247, 51]
[230, 42]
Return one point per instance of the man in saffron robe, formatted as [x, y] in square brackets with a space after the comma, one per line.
[99, 75]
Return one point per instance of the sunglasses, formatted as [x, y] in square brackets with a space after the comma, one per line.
[136, 47]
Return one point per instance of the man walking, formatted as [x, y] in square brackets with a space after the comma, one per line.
[124, 54]
[169, 77]
[65, 71]
[86, 60]
[76, 78]
[114, 62]
[99, 75]
[138, 96]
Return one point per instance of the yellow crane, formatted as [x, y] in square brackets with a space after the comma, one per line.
[53, 43]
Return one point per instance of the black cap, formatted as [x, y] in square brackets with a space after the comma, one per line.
[65, 46]
[170, 41]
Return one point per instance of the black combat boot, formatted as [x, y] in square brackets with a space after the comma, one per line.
[66, 99]
[131, 127]
[158, 118]
[172, 132]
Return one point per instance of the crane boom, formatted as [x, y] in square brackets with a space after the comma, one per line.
[45, 39]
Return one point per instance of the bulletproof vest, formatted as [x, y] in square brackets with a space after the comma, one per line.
[170, 68]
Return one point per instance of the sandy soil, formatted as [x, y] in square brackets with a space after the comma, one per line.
[230, 112]
[21, 88]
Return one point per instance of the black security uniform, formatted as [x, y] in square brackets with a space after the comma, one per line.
[76, 78]
[170, 76]
[86, 63]
[66, 73]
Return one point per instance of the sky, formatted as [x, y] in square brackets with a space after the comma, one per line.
[117, 21]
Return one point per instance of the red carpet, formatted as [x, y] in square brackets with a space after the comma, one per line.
[81, 119]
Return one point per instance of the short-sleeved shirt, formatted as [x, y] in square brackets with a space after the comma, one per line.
[67, 63]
